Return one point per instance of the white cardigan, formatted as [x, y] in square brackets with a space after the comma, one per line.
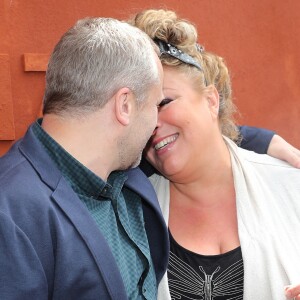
[268, 212]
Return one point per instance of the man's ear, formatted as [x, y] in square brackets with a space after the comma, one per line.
[124, 105]
[213, 100]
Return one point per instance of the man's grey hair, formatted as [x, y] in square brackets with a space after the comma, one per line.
[93, 60]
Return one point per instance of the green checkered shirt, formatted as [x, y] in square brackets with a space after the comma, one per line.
[118, 213]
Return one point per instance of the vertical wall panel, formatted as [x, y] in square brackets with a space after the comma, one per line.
[7, 128]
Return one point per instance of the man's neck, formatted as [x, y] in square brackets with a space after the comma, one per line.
[85, 141]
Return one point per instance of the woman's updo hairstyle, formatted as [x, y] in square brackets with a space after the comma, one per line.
[165, 25]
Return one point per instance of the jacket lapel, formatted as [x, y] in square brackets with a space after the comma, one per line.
[157, 231]
[92, 236]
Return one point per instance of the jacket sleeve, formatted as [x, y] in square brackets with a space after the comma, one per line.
[21, 273]
[256, 139]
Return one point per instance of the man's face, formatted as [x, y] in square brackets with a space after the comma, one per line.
[144, 123]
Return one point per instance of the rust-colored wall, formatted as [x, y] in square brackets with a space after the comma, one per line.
[260, 40]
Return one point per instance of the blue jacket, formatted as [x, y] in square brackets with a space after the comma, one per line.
[50, 247]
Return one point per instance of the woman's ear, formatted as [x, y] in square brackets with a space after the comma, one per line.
[124, 100]
[213, 100]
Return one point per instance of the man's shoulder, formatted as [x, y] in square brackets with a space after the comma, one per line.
[10, 160]
[22, 188]
[16, 169]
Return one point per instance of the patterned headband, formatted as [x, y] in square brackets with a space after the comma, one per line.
[166, 48]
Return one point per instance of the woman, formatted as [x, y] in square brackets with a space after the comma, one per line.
[233, 215]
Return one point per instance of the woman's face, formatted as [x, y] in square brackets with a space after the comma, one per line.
[186, 120]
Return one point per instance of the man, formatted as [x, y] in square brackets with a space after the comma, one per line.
[73, 223]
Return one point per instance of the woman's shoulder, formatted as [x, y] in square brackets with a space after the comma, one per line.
[254, 158]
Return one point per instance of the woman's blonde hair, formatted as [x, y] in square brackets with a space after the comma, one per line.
[165, 25]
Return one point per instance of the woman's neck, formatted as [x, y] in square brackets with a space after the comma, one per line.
[203, 210]
[210, 176]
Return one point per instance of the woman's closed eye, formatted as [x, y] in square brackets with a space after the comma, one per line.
[164, 102]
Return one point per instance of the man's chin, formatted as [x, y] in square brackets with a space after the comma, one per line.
[136, 163]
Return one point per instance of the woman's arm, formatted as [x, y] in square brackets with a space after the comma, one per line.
[281, 149]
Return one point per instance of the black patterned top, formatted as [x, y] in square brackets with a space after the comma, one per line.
[207, 277]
